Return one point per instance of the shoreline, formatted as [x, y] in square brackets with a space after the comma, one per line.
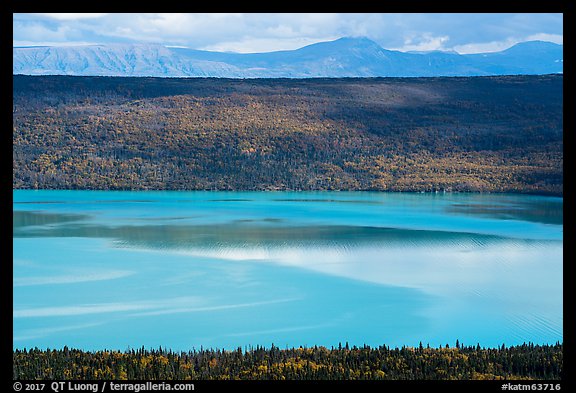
[442, 192]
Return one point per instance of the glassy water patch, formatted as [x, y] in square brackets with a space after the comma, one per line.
[96, 269]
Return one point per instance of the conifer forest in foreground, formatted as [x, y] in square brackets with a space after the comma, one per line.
[526, 361]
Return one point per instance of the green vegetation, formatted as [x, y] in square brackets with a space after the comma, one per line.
[488, 134]
[525, 361]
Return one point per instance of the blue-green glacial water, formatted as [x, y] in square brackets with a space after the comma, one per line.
[181, 270]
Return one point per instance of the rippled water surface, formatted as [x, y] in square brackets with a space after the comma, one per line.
[96, 269]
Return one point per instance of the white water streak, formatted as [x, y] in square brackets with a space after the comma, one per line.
[70, 278]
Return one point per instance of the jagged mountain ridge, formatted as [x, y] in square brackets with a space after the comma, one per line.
[345, 57]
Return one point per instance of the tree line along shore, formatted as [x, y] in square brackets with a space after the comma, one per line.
[526, 361]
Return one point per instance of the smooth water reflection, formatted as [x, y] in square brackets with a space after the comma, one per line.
[97, 269]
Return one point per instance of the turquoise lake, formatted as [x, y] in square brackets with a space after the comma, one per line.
[183, 270]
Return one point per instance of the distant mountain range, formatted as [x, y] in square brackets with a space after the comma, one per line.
[345, 57]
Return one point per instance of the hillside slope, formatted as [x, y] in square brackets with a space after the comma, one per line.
[500, 134]
[345, 57]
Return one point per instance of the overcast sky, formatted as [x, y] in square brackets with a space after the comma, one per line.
[463, 33]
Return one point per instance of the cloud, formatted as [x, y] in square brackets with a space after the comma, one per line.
[34, 32]
[50, 43]
[72, 16]
[258, 32]
[485, 47]
[255, 45]
[192, 30]
[424, 42]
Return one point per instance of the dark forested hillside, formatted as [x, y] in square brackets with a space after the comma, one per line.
[499, 134]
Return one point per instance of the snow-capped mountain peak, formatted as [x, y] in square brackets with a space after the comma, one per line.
[344, 57]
